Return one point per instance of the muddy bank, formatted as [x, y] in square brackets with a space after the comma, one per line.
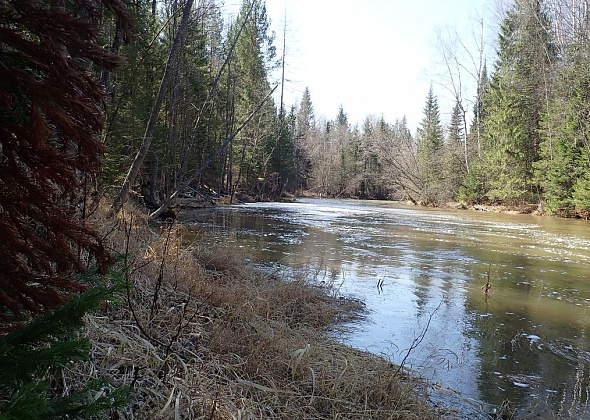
[533, 209]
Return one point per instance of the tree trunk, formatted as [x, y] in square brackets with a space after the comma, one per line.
[241, 168]
[170, 200]
[149, 132]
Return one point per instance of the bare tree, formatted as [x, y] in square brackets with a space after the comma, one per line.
[396, 151]
[570, 19]
[464, 66]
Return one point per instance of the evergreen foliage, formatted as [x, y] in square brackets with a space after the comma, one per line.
[456, 130]
[37, 352]
[513, 108]
[255, 148]
[563, 168]
[132, 89]
[302, 140]
[479, 110]
[430, 150]
[454, 161]
[520, 145]
[430, 136]
[51, 117]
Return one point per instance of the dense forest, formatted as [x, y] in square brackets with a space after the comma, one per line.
[195, 97]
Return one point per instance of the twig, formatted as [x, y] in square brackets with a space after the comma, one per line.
[417, 340]
[160, 275]
[127, 286]
[487, 286]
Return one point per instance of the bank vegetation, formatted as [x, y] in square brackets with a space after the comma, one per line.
[200, 99]
[199, 333]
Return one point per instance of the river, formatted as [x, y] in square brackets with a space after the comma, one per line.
[422, 274]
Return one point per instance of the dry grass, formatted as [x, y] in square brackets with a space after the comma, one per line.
[202, 335]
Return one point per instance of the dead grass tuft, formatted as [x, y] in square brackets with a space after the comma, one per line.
[202, 335]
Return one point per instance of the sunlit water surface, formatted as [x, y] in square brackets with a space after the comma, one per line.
[421, 272]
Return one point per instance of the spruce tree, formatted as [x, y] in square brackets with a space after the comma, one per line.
[341, 138]
[35, 353]
[305, 115]
[430, 136]
[455, 160]
[304, 129]
[51, 116]
[479, 112]
[253, 60]
[430, 150]
[514, 107]
[563, 170]
[456, 126]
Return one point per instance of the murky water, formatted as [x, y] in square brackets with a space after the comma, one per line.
[421, 273]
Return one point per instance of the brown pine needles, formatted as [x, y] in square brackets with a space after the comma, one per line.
[51, 114]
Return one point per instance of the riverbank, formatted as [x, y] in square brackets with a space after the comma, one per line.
[533, 209]
[209, 199]
[418, 267]
[202, 334]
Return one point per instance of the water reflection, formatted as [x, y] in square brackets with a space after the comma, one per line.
[527, 341]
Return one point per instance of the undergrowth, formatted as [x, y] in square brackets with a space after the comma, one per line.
[204, 335]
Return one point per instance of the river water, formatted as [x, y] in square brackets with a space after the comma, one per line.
[422, 274]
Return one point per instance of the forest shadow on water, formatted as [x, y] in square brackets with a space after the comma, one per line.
[423, 273]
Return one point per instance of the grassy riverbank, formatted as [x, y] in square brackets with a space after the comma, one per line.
[202, 334]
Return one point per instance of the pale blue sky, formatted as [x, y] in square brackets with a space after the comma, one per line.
[373, 56]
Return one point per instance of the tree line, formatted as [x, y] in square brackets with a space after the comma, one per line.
[217, 127]
[526, 142]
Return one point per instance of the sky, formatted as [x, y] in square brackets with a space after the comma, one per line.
[375, 57]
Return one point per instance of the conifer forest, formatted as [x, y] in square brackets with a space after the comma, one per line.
[192, 107]
[204, 116]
